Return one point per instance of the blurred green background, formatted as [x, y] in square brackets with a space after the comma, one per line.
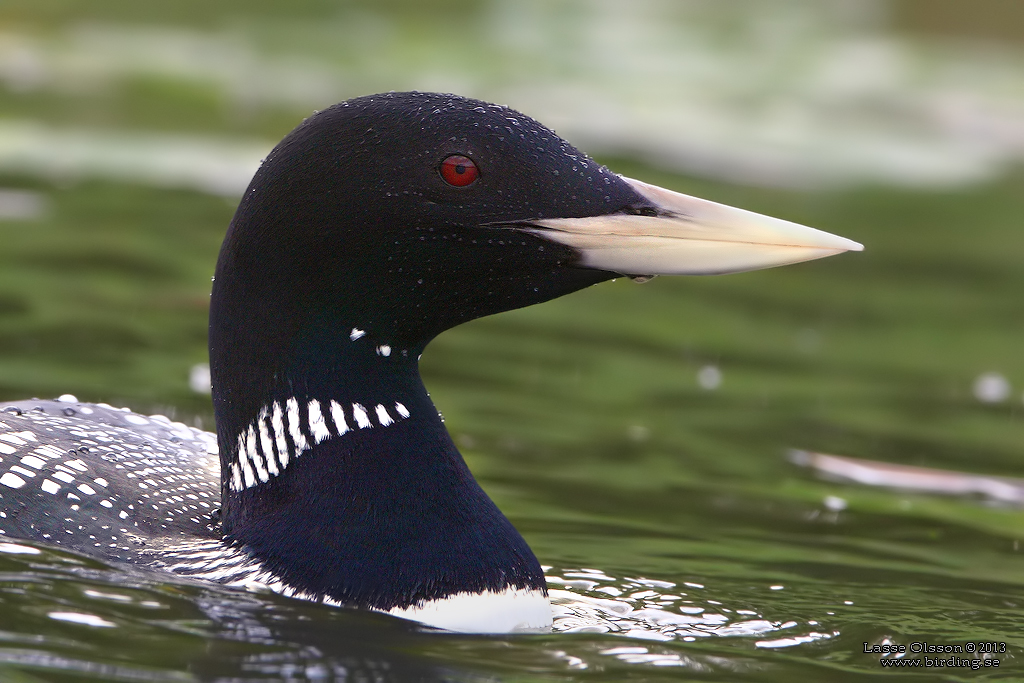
[660, 412]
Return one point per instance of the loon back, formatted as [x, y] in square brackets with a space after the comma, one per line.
[105, 481]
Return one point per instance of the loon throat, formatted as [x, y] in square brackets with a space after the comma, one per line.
[279, 434]
[343, 478]
[282, 430]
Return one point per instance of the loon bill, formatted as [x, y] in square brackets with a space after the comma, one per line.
[371, 228]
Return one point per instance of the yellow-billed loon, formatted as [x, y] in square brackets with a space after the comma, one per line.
[371, 228]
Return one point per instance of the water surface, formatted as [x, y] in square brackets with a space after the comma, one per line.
[637, 434]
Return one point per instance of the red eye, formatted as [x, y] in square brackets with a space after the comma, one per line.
[459, 171]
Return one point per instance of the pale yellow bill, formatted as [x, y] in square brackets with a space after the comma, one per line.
[693, 237]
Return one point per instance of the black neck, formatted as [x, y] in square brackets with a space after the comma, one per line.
[383, 511]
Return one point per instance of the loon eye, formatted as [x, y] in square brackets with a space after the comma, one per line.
[459, 171]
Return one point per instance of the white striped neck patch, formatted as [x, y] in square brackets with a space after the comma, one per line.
[283, 430]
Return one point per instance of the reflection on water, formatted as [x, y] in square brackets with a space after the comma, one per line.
[66, 613]
[220, 633]
[1003, 490]
[589, 601]
[124, 625]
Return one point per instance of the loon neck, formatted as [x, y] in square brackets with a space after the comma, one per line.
[365, 385]
[345, 484]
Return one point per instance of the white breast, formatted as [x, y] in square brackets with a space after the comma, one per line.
[513, 609]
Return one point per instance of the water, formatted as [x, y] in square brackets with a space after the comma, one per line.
[681, 540]
[637, 434]
[125, 625]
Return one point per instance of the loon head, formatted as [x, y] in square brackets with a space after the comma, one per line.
[371, 228]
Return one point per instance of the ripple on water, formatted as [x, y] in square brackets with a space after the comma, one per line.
[64, 612]
[590, 601]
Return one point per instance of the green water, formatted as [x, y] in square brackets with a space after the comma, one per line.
[583, 418]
